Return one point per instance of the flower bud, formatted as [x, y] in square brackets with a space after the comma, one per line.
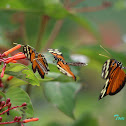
[19, 118]
[10, 78]
[8, 100]
[8, 113]
[24, 104]
[1, 84]
[2, 103]
[30, 120]
[0, 119]
[11, 50]
[3, 70]
[16, 118]
[9, 105]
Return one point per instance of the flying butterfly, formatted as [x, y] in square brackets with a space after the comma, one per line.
[113, 73]
[38, 60]
[62, 65]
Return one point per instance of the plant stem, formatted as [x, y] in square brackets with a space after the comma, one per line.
[10, 109]
[54, 33]
[43, 25]
[75, 3]
[90, 9]
[8, 122]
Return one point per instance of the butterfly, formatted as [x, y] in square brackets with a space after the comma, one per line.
[38, 60]
[62, 65]
[113, 73]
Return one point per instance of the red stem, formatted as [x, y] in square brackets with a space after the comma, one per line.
[3, 70]
[10, 109]
[9, 122]
[24, 121]
[3, 106]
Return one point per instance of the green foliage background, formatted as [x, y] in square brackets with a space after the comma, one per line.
[77, 101]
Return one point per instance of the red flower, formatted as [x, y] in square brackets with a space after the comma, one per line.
[16, 119]
[12, 59]
[3, 70]
[30, 120]
[11, 50]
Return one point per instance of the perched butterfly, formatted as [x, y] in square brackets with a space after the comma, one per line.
[62, 65]
[38, 60]
[113, 73]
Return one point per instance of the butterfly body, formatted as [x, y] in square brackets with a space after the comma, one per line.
[38, 60]
[113, 73]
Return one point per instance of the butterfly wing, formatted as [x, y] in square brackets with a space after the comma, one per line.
[29, 53]
[117, 83]
[61, 64]
[107, 68]
[56, 53]
[42, 63]
[115, 78]
[38, 60]
[65, 69]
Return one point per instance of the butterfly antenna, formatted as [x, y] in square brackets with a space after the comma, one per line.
[105, 51]
[104, 56]
[17, 44]
[23, 45]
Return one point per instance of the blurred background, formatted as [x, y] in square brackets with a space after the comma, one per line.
[77, 28]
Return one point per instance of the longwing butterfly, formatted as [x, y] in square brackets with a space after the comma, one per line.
[38, 60]
[113, 73]
[62, 65]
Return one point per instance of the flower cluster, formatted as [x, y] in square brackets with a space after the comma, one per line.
[7, 104]
[12, 59]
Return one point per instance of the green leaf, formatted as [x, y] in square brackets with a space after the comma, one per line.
[18, 97]
[65, 78]
[62, 95]
[16, 82]
[54, 124]
[22, 72]
[53, 8]
[3, 95]
[87, 119]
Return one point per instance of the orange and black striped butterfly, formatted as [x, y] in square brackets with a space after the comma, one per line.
[62, 65]
[113, 73]
[38, 60]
